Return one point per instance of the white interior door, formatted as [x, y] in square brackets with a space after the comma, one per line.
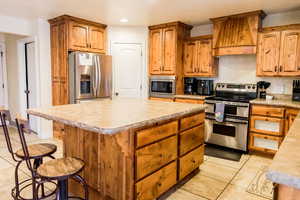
[2, 92]
[127, 64]
[31, 82]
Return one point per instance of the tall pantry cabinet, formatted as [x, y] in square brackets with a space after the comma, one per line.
[70, 34]
[166, 50]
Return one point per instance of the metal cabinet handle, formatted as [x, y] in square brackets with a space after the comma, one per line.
[280, 68]
[276, 68]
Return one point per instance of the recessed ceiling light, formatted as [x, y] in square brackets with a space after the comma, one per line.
[124, 20]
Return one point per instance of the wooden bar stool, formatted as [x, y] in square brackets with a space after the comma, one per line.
[59, 170]
[36, 153]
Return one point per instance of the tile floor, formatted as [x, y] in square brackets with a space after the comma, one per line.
[218, 179]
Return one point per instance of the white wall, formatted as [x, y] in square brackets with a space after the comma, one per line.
[14, 25]
[242, 68]
[12, 66]
[132, 34]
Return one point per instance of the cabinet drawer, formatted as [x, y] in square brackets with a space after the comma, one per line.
[190, 162]
[264, 143]
[154, 156]
[156, 184]
[153, 134]
[267, 125]
[267, 111]
[195, 101]
[191, 138]
[191, 121]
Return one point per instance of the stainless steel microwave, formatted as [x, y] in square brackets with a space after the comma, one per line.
[162, 86]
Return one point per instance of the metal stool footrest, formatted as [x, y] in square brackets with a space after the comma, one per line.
[28, 183]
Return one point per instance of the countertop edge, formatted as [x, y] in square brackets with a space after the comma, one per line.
[281, 178]
[119, 129]
[275, 103]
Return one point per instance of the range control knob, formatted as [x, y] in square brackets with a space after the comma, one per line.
[223, 86]
[249, 87]
[253, 87]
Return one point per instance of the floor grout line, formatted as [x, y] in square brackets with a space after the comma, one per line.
[229, 183]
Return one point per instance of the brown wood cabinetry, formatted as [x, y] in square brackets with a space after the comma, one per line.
[161, 99]
[70, 34]
[278, 51]
[266, 128]
[166, 47]
[198, 59]
[195, 101]
[164, 154]
[290, 116]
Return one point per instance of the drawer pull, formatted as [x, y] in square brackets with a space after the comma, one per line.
[193, 161]
[159, 184]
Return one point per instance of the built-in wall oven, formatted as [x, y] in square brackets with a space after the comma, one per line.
[162, 86]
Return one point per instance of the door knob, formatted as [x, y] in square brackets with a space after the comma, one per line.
[117, 94]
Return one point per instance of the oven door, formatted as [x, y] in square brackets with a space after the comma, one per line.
[231, 134]
[162, 88]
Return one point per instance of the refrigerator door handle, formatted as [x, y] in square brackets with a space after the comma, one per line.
[95, 84]
[99, 75]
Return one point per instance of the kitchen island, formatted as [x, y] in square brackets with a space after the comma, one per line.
[132, 149]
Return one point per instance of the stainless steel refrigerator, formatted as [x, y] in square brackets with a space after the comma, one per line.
[90, 76]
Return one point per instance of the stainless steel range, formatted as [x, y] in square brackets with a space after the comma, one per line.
[232, 131]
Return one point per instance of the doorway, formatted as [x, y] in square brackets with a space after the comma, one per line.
[30, 82]
[2, 73]
[127, 65]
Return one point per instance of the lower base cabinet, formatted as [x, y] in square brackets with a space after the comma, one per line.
[190, 162]
[156, 184]
[195, 101]
[161, 99]
[264, 143]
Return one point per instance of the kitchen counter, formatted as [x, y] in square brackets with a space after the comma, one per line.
[144, 149]
[186, 96]
[285, 167]
[112, 116]
[277, 102]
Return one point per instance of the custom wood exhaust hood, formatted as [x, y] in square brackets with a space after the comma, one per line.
[236, 34]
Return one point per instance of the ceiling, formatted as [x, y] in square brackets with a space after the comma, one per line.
[142, 12]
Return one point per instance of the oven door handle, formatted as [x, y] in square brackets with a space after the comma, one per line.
[227, 122]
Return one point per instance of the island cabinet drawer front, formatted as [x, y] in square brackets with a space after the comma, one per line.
[190, 162]
[267, 125]
[267, 111]
[264, 143]
[191, 138]
[191, 121]
[153, 134]
[157, 183]
[154, 156]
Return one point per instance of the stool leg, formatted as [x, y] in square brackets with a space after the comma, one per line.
[37, 162]
[17, 179]
[83, 183]
[62, 189]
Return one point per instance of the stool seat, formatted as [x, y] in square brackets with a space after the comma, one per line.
[38, 150]
[60, 168]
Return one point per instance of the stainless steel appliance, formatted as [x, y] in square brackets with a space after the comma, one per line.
[196, 86]
[296, 90]
[162, 86]
[90, 76]
[233, 131]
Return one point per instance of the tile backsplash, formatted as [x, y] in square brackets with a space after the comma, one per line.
[242, 69]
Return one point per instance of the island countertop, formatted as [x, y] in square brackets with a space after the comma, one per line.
[285, 167]
[112, 116]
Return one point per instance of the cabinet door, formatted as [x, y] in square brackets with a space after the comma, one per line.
[264, 143]
[205, 64]
[290, 53]
[155, 51]
[97, 39]
[267, 125]
[291, 115]
[268, 54]
[190, 58]
[79, 34]
[169, 50]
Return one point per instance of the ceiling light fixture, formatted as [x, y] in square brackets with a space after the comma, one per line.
[124, 20]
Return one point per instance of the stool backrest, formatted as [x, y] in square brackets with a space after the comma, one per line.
[5, 116]
[23, 126]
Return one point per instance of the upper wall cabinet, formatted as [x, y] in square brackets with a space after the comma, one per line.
[236, 34]
[166, 48]
[82, 35]
[198, 59]
[279, 51]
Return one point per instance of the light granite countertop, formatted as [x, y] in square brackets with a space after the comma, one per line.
[187, 96]
[277, 102]
[112, 116]
[285, 167]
